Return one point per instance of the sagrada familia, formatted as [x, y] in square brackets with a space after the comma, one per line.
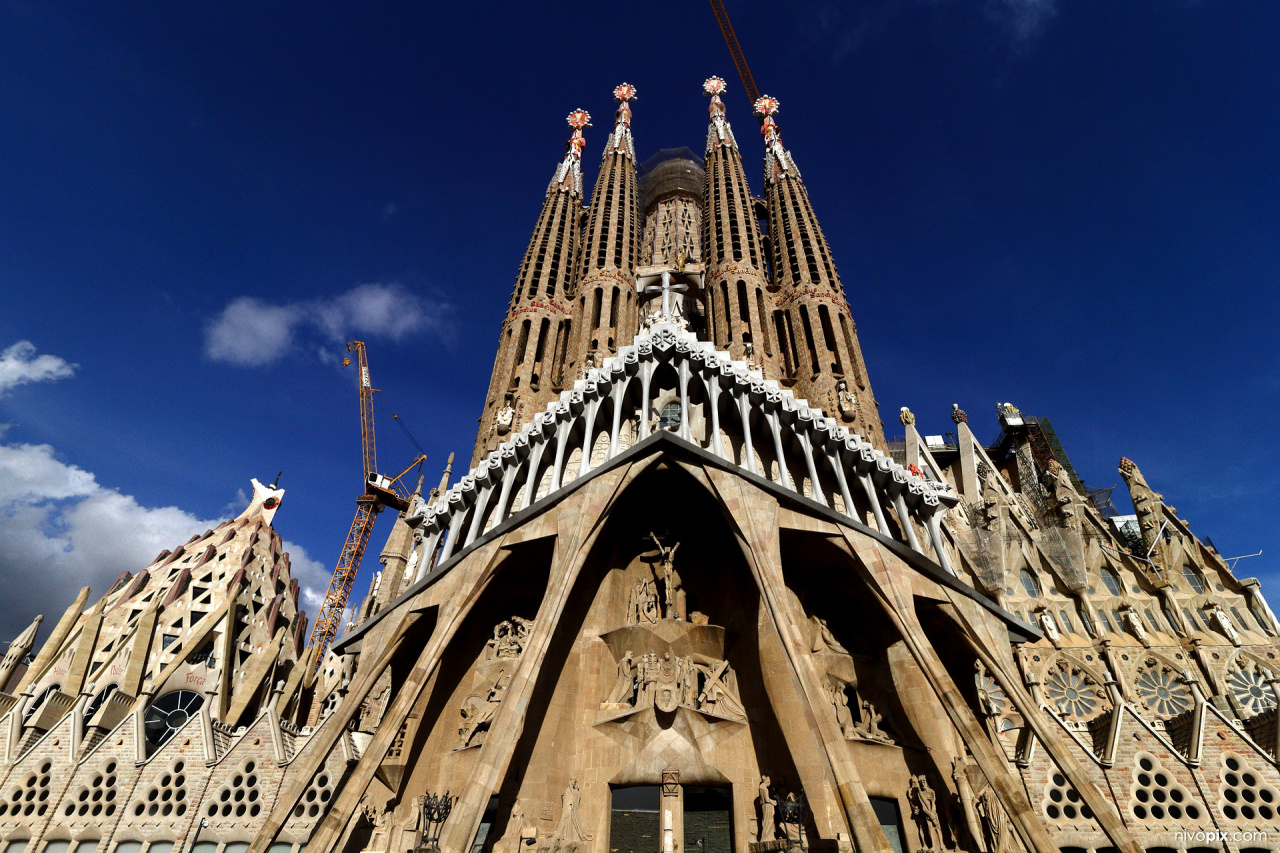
[688, 598]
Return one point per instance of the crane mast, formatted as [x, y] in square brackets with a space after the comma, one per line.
[735, 49]
[379, 492]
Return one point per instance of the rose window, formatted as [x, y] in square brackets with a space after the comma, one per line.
[169, 713]
[990, 690]
[1071, 694]
[1251, 691]
[1162, 693]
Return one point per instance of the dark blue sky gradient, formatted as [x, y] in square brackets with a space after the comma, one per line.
[1070, 206]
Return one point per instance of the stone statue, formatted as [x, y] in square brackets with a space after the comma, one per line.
[569, 833]
[1050, 626]
[823, 639]
[503, 419]
[624, 689]
[514, 833]
[995, 823]
[477, 711]
[1134, 622]
[719, 695]
[844, 717]
[1064, 494]
[767, 803]
[672, 587]
[1223, 624]
[642, 607]
[870, 728]
[992, 501]
[846, 402]
[749, 356]
[924, 810]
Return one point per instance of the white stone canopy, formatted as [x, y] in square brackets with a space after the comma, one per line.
[725, 408]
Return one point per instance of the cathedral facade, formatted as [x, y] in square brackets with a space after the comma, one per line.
[689, 597]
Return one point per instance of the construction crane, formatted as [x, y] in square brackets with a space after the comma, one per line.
[740, 61]
[379, 492]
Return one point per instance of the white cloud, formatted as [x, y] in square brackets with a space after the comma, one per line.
[1024, 19]
[251, 332]
[60, 530]
[19, 365]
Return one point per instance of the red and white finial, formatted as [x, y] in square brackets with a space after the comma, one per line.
[766, 106]
[714, 86]
[624, 92]
[578, 119]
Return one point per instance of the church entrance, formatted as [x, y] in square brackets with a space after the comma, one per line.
[708, 820]
[658, 819]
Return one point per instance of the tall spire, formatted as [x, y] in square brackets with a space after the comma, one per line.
[817, 335]
[535, 337]
[605, 311]
[18, 650]
[737, 288]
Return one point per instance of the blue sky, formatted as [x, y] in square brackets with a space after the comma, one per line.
[1071, 206]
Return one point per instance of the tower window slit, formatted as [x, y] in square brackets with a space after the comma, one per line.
[764, 328]
[744, 307]
[790, 342]
[728, 310]
[595, 314]
[808, 337]
[613, 309]
[829, 338]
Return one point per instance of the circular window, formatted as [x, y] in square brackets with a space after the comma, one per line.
[169, 713]
[271, 503]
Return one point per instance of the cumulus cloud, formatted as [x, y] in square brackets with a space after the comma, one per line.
[251, 332]
[19, 365]
[1025, 20]
[60, 530]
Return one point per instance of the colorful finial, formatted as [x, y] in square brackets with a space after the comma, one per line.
[578, 119]
[767, 106]
[625, 92]
[714, 86]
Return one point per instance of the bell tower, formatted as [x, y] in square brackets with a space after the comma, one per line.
[535, 336]
[737, 294]
[605, 311]
[822, 360]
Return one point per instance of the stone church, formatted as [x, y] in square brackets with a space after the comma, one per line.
[689, 597]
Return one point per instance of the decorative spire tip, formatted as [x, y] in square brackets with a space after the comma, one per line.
[766, 106]
[578, 119]
[624, 92]
[714, 86]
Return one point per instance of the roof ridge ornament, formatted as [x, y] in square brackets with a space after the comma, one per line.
[620, 141]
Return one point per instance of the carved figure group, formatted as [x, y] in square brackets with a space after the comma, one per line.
[666, 682]
[642, 607]
[509, 638]
[478, 711]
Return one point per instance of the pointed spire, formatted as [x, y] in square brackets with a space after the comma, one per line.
[53, 644]
[444, 478]
[777, 160]
[739, 305]
[819, 341]
[568, 177]
[18, 650]
[527, 371]
[719, 133]
[604, 316]
[620, 141]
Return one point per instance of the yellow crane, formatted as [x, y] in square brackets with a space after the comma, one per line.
[739, 60]
[379, 492]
